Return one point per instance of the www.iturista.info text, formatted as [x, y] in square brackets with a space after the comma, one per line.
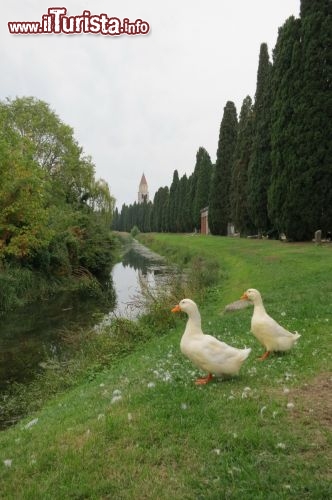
[56, 22]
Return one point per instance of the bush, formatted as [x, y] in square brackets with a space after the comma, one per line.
[203, 273]
[15, 283]
[134, 231]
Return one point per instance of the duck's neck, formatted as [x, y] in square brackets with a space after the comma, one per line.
[194, 323]
[258, 305]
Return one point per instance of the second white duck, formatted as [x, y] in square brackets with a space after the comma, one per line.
[205, 351]
[268, 332]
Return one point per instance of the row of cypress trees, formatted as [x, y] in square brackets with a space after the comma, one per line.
[175, 208]
[273, 169]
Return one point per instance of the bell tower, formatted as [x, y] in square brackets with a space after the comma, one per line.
[143, 191]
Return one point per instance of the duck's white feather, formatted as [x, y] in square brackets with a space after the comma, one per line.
[205, 351]
[268, 332]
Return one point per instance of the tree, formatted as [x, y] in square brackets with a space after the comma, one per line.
[239, 182]
[181, 217]
[259, 170]
[186, 207]
[52, 209]
[313, 117]
[160, 210]
[52, 147]
[24, 211]
[219, 205]
[300, 196]
[285, 85]
[202, 172]
[116, 220]
[173, 202]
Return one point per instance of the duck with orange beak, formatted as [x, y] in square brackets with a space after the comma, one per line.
[267, 331]
[205, 351]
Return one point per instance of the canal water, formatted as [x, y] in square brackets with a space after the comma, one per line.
[33, 334]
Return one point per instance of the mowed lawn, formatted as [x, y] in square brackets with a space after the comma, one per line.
[142, 429]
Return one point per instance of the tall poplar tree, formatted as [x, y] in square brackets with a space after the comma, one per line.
[259, 171]
[219, 205]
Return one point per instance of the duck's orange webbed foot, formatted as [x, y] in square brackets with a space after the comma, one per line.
[264, 356]
[204, 380]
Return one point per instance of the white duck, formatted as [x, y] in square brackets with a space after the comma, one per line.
[207, 352]
[266, 330]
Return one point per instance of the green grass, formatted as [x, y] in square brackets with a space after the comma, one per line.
[142, 429]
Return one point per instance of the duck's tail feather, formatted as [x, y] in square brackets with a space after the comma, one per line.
[246, 353]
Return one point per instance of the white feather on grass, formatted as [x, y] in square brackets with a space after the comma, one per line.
[237, 305]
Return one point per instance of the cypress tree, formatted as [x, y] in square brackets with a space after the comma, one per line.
[314, 112]
[159, 210]
[147, 216]
[239, 201]
[219, 205]
[187, 208]
[300, 196]
[173, 202]
[286, 71]
[202, 171]
[182, 219]
[116, 220]
[259, 171]
[165, 210]
[190, 196]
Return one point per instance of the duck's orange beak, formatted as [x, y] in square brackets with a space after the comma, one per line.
[176, 309]
[244, 297]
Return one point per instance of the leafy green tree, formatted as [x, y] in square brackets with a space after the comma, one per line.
[219, 206]
[239, 182]
[52, 146]
[259, 171]
[50, 201]
[102, 202]
[24, 208]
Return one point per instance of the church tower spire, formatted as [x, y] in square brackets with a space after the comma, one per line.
[143, 191]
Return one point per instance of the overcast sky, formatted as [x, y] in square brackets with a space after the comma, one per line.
[142, 103]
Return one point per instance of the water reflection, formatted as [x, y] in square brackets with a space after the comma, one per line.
[33, 334]
[139, 269]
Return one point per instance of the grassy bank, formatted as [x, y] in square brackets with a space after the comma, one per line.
[142, 429]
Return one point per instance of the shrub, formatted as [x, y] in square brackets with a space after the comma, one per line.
[134, 231]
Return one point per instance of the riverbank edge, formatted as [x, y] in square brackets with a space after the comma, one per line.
[90, 354]
[92, 421]
[20, 286]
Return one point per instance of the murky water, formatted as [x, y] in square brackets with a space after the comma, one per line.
[33, 334]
